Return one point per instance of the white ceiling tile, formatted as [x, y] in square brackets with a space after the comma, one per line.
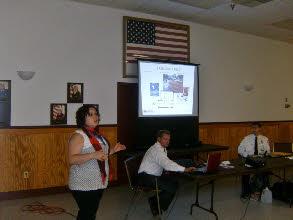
[256, 20]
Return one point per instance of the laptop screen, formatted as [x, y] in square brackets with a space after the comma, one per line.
[214, 161]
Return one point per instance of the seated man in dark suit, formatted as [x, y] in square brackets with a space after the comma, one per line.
[153, 163]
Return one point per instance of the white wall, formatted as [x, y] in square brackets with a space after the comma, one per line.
[65, 41]
[230, 60]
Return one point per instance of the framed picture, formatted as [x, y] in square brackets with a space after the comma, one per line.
[4, 89]
[5, 103]
[151, 39]
[74, 92]
[58, 113]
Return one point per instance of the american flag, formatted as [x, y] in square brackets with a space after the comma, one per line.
[156, 40]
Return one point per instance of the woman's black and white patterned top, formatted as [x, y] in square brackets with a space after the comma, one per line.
[87, 176]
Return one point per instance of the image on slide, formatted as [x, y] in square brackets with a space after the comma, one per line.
[173, 83]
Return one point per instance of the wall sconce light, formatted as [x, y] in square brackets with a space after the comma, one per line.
[26, 75]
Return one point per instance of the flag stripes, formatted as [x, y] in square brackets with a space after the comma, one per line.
[155, 40]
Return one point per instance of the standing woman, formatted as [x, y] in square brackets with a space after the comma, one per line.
[88, 158]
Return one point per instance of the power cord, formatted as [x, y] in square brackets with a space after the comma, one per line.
[39, 208]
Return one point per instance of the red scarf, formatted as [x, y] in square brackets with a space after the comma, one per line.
[93, 134]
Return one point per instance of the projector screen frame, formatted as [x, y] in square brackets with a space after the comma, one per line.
[195, 95]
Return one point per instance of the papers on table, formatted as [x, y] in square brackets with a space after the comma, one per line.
[226, 164]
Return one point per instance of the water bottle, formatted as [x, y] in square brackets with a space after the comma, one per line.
[266, 196]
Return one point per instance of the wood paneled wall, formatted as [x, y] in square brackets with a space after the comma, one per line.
[42, 152]
[231, 134]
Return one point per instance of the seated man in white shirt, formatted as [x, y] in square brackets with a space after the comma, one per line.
[153, 163]
[252, 144]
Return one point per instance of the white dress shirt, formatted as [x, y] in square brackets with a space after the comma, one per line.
[246, 147]
[156, 160]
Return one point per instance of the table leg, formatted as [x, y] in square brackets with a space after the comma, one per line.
[211, 209]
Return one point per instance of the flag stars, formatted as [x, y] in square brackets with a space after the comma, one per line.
[140, 32]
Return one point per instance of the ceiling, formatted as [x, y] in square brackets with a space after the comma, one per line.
[266, 18]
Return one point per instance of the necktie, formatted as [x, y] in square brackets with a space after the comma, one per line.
[255, 146]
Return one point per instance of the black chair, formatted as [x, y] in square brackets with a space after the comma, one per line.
[132, 165]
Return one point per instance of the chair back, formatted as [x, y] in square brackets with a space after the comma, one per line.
[283, 147]
[131, 166]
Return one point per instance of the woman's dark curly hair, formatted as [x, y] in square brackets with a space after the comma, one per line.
[81, 114]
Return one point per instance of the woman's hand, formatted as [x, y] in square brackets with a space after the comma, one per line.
[189, 169]
[118, 147]
[100, 155]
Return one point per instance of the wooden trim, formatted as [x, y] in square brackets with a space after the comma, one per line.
[124, 39]
[181, 26]
[32, 193]
[52, 126]
[243, 122]
[42, 153]
[42, 150]
[231, 134]
[40, 192]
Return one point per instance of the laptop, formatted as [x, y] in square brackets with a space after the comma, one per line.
[282, 150]
[212, 165]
